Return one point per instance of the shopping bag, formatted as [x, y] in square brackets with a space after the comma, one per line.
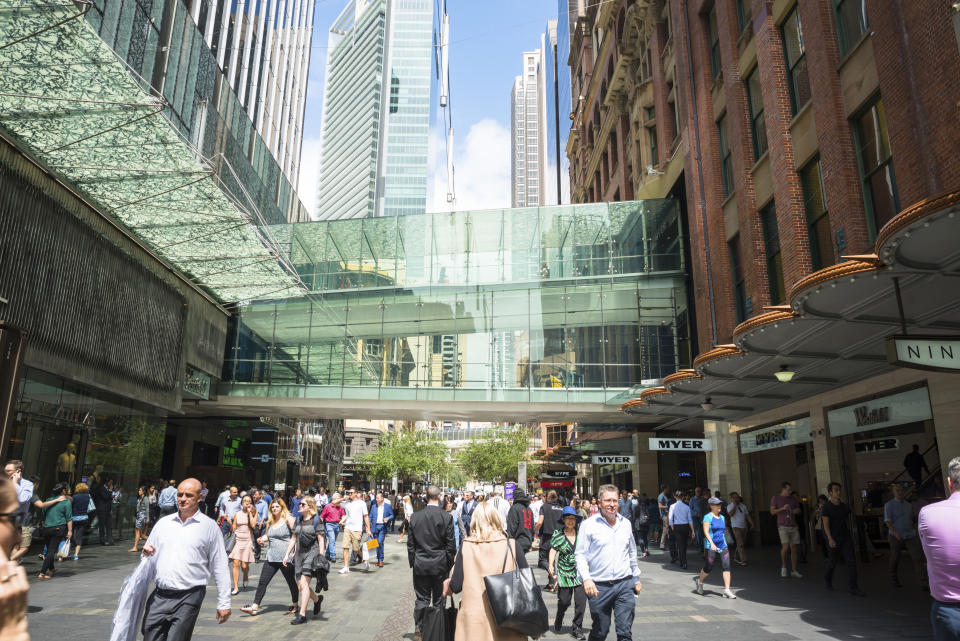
[433, 625]
[450, 619]
[64, 550]
[229, 542]
[516, 600]
[372, 544]
[365, 552]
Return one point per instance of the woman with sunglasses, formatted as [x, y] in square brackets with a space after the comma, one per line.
[57, 526]
[279, 533]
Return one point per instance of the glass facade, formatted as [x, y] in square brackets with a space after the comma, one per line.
[378, 110]
[568, 303]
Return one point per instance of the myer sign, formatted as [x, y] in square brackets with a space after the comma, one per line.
[682, 444]
[940, 353]
[613, 460]
[897, 409]
[768, 438]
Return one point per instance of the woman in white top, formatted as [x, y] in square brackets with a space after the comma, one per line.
[740, 522]
[407, 513]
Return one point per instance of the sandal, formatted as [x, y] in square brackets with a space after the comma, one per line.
[251, 609]
[43, 576]
[291, 609]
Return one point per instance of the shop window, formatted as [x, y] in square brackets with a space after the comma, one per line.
[818, 222]
[852, 23]
[758, 126]
[877, 177]
[714, 38]
[739, 287]
[771, 240]
[796, 60]
[726, 158]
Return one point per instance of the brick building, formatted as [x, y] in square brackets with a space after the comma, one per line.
[814, 149]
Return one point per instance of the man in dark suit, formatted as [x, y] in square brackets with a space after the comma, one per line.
[431, 550]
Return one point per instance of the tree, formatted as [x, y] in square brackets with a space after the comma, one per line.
[494, 456]
[406, 454]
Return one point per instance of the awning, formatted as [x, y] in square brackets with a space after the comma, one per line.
[834, 330]
[80, 112]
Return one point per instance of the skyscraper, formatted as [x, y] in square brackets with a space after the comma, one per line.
[263, 48]
[378, 109]
[527, 133]
[558, 101]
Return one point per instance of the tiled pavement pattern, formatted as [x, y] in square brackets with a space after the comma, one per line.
[78, 604]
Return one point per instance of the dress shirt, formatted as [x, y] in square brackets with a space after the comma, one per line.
[168, 496]
[188, 553]
[230, 507]
[604, 552]
[899, 514]
[263, 510]
[680, 514]
[377, 512]
[938, 534]
[535, 508]
[321, 499]
[24, 495]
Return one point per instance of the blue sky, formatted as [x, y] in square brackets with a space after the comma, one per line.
[487, 38]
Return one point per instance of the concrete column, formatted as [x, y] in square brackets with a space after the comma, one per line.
[594, 479]
[826, 452]
[646, 469]
[723, 462]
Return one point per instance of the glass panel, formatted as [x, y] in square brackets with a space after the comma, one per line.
[851, 22]
[796, 61]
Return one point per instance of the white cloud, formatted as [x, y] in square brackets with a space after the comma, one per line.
[481, 169]
[309, 180]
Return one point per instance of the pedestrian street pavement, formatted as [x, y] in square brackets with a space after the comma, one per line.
[377, 605]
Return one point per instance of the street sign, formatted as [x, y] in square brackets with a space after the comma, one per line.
[601, 459]
[937, 353]
[556, 483]
[681, 444]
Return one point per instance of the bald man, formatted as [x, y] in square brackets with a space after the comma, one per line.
[189, 547]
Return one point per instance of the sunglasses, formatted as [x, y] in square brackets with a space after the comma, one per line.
[14, 518]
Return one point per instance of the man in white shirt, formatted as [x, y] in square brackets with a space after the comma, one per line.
[740, 522]
[606, 558]
[189, 548]
[321, 498]
[356, 521]
[535, 506]
[500, 504]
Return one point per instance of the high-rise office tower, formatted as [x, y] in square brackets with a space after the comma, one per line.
[263, 48]
[378, 108]
[558, 103]
[527, 133]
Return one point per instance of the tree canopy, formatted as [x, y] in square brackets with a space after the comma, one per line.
[406, 454]
[494, 456]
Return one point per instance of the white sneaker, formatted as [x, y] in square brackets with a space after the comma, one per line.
[727, 594]
[796, 575]
[699, 583]
[783, 572]
[344, 571]
[366, 566]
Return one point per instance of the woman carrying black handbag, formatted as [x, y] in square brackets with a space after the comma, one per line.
[486, 553]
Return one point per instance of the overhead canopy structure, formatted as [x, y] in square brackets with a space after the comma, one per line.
[834, 330]
[80, 112]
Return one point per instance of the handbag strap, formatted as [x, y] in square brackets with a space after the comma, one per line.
[507, 553]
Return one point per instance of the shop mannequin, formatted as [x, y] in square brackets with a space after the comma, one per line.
[66, 463]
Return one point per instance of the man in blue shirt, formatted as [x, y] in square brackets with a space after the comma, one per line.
[606, 558]
[899, 517]
[167, 501]
[697, 511]
[681, 524]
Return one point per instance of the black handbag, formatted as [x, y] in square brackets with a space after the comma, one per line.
[516, 600]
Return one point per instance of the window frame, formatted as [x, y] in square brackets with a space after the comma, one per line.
[815, 219]
[713, 40]
[795, 67]
[873, 227]
[755, 117]
[772, 253]
[726, 156]
[739, 281]
[842, 35]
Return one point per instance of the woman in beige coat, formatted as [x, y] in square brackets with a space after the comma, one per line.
[482, 553]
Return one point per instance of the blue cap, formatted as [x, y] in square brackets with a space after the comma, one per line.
[569, 511]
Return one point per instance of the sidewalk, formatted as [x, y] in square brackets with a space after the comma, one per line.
[79, 602]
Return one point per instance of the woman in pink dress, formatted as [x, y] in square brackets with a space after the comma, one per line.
[243, 526]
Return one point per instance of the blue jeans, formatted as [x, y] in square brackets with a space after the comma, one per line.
[616, 599]
[945, 619]
[380, 533]
[332, 530]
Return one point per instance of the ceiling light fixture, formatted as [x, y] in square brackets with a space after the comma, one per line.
[785, 375]
[707, 404]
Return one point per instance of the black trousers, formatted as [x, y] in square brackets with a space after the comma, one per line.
[845, 549]
[543, 555]
[429, 592]
[681, 538]
[105, 523]
[267, 572]
[52, 536]
[640, 537]
[579, 604]
[171, 614]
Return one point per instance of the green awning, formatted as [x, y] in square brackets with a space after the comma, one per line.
[75, 107]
